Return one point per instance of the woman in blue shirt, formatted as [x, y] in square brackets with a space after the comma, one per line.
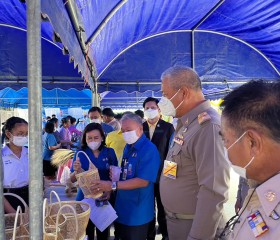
[93, 144]
[50, 144]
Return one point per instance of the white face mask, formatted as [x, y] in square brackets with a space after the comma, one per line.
[130, 137]
[19, 141]
[94, 145]
[166, 106]
[97, 120]
[239, 170]
[151, 113]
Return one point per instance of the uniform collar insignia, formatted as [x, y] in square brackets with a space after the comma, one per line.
[203, 117]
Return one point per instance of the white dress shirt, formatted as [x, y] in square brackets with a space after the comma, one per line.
[15, 169]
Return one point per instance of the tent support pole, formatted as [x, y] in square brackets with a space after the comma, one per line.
[192, 52]
[197, 25]
[2, 219]
[72, 11]
[95, 101]
[104, 22]
[34, 60]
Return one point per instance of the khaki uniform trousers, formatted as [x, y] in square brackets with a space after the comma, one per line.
[178, 229]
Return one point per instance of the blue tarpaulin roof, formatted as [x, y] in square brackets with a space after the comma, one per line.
[10, 98]
[130, 42]
[233, 40]
[56, 69]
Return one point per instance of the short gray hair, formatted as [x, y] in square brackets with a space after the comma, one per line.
[132, 117]
[182, 76]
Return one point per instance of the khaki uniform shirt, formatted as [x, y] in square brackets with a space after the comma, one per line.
[265, 199]
[201, 186]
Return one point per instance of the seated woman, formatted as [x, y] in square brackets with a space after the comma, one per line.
[15, 160]
[93, 144]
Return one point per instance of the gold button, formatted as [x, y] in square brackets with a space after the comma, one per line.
[270, 196]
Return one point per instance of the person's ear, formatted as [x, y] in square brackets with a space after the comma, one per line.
[8, 134]
[255, 141]
[140, 130]
[185, 92]
[158, 109]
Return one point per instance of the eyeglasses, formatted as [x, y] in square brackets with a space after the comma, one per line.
[229, 226]
[233, 220]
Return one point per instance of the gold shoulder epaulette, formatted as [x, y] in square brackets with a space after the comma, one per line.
[203, 117]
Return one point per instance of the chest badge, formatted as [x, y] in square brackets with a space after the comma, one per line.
[179, 139]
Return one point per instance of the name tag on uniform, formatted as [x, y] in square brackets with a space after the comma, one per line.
[257, 224]
[170, 169]
[179, 139]
[7, 162]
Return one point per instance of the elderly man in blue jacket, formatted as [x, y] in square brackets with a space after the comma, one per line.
[135, 189]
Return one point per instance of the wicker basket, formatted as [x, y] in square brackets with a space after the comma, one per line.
[20, 232]
[68, 230]
[52, 223]
[10, 217]
[60, 231]
[86, 179]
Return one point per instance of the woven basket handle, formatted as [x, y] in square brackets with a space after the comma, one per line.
[57, 219]
[57, 197]
[51, 198]
[19, 198]
[91, 165]
[45, 209]
[19, 212]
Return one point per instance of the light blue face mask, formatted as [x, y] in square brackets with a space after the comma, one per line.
[239, 170]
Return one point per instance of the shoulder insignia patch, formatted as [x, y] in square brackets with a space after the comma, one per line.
[203, 117]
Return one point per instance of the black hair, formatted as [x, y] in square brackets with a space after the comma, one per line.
[254, 105]
[140, 113]
[11, 122]
[90, 127]
[53, 120]
[73, 120]
[53, 116]
[94, 109]
[118, 116]
[64, 120]
[150, 99]
[48, 118]
[49, 128]
[108, 112]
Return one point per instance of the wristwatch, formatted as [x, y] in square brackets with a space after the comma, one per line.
[114, 186]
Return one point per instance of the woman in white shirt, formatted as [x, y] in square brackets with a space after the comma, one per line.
[15, 160]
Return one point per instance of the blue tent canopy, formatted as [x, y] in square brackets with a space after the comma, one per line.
[130, 42]
[56, 69]
[10, 98]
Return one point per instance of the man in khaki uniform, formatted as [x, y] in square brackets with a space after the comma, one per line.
[251, 134]
[194, 181]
